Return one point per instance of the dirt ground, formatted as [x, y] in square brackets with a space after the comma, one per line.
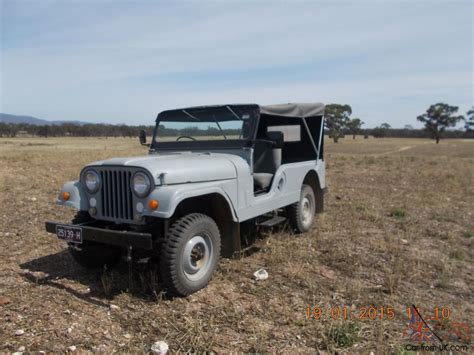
[397, 230]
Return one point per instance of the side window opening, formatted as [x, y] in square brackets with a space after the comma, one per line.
[291, 133]
[297, 145]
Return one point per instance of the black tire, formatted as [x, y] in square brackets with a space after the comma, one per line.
[92, 255]
[301, 214]
[189, 254]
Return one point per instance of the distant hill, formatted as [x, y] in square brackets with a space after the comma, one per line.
[7, 118]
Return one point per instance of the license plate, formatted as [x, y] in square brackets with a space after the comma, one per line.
[69, 234]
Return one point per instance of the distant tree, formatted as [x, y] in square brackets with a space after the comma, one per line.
[4, 129]
[44, 131]
[336, 119]
[13, 129]
[381, 131]
[408, 127]
[438, 117]
[354, 126]
[469, 126]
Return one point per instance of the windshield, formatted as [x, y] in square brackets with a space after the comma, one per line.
[203, 124]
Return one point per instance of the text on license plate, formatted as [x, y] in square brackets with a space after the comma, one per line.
[69, 234]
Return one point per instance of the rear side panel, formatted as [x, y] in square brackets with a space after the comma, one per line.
[285, 189]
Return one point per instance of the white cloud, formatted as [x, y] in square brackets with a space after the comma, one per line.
[119, 61]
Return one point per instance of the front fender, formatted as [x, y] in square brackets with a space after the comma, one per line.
[77, 196]
[169, 196]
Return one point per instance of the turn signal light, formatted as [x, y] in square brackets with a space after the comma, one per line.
[153, 204]
[66, 195]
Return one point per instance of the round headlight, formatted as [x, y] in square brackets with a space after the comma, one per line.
[141, 184]
[92, 181]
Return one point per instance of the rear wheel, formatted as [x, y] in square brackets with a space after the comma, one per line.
[189, 254]
[92, 255]
[301, 213]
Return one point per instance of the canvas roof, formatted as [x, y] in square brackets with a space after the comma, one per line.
[228, 112]
[294, 110]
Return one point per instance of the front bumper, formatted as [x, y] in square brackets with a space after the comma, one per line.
[109, 236]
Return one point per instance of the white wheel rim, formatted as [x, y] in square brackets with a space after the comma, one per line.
[197, 257]
[307, 210]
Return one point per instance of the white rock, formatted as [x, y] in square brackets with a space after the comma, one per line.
[113, 307]
[69, 330]
[21, 348]
[160, 347]
[33, 199]
[404, 241]
[17, 353]
[72, 348]
[143, 261]
[19, 332]
[261, 274]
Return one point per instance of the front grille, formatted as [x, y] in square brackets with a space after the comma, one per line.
[116, 195]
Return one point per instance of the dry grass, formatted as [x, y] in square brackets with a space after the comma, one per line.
[397, 230]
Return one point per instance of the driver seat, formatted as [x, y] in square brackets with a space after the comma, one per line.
[267, 159]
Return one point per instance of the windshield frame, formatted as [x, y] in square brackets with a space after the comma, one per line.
[252, 109]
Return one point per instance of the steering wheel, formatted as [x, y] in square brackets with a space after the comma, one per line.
[189, 137]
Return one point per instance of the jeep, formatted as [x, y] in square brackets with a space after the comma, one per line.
[210, 170]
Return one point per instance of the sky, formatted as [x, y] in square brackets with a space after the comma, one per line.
[125, 61]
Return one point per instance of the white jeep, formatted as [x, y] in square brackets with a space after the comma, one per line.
[209, 170]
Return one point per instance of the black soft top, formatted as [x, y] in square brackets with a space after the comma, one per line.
[297, 110]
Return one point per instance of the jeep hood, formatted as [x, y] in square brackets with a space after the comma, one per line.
[179, 168]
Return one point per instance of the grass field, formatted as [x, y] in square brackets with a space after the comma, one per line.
[397, 230]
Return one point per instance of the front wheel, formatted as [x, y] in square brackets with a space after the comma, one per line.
[301, 213]
[189, 254]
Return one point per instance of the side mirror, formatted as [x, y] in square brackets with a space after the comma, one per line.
[142, 137]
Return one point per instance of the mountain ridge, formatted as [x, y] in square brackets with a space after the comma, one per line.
[17, 119]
